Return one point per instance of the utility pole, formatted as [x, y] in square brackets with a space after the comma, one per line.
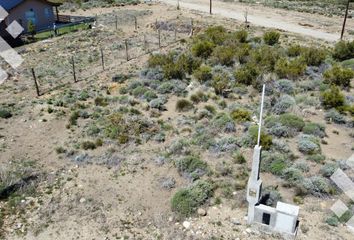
[178, 5]
[211, 6]
[345, 20]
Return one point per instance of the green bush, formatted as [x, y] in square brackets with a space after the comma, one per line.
[216, 34]
[202, 48]
[183, 105]
[308, 144]
[224, 55]
[332, 98]
[315, 129]
[88, 145]
[241, 36]
[220, 82]
[290, 68]
[239, 158]
[190, 164]
[101, 101]
[314, 56]
[339, 76]
[241, 115]
[4, 113]
[344, 50]
[271, 37]
[203, 73]
[266, 140]
[247, 74]
[186, 201]
[292, 121]
[242, 53]
[294, 50]
[199, 97]
[265, 57]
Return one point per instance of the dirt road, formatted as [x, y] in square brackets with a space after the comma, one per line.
[311, 25]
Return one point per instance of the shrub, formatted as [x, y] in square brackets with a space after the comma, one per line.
[216, 34]
[285, 86]
[334, 116]
[293, 175]
[166, 87]
[318, 158]
[292, 121]
[344, 50]
[220, 82]
[191, 165]
[328, 169]
[73, 118]
[314, 129]
[274, 162]
[241, 115]
[224, 55]
[317, 185]
[186, 201]
[149, 95]
[183, 105]
[238, 158]
[332, 98]
[339, 76]
[202, 48]
[203, 73]
[199, 97]
[314, 56]
[247, 74]
[100, 101]
[139, 91]
[284, 103]
[308, 144]
[290, 68]
[266, 140]
[4, 113]
[265, 57]
[242, 53]
[88, 145]
[241, 36]
[271, 37]
[223, 122]
[294, 50]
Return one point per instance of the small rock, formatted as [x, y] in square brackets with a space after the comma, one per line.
[235, 221]
[186, 224]
[201, 212]
[82, 200]
[248, 230]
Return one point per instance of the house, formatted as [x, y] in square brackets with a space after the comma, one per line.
[41, 13]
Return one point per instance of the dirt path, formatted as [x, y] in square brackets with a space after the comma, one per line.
[311, 25]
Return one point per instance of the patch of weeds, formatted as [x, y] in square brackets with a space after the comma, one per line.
[332, 98]
[247, 74]
[203, 73]
[314, 56]
[344, 50]
[186, 201]
[60, 150]
[290, 68]
[5, 113]
[192, 166]
[101, 101]
[241, 115]
[183, 105]
[238, 158]
[223, 122]
[284, 104]
[271, 37]
[198, 97]
[318, 158]
[339, 76]
[292, 121]
[266, 140]
[88, 145]
[334, 116]
[315, 129]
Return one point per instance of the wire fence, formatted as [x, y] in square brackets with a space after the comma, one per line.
[83, 63]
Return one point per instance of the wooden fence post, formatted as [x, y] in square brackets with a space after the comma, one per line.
[136, 22]
[175, 33]
[192, 24]
[102, 59]
[145, 44]
[126, 50]
[74, 72]
[159, 38]
[116, 22]
[35, 82]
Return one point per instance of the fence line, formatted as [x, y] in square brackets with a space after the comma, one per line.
[106, 57]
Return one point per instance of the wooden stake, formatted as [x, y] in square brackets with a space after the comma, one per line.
[345, 20]
[145, 44]
[192, 30]
[102, 59]
[116, 22]
[126, 50]
[175, 34]
[35, 82]
[211, 5]
[136, 22]
[74, 72]
[159, 38]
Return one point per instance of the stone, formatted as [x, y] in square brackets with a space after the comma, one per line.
[235, 221]
[82, 200]
[186, 224]
[201, 212]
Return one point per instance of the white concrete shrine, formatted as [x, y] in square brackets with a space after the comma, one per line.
[282, 219]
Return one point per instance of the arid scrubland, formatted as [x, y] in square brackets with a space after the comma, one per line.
[160, 146]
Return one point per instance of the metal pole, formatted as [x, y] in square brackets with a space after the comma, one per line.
[345, 20]
[35, 82]
[136, 22]
[126, 50]
[260, 118]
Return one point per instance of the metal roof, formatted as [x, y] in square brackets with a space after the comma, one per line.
[10, 4]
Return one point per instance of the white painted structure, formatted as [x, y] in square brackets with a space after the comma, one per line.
[282, 219]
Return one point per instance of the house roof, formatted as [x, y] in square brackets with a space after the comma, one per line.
[10, 4]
